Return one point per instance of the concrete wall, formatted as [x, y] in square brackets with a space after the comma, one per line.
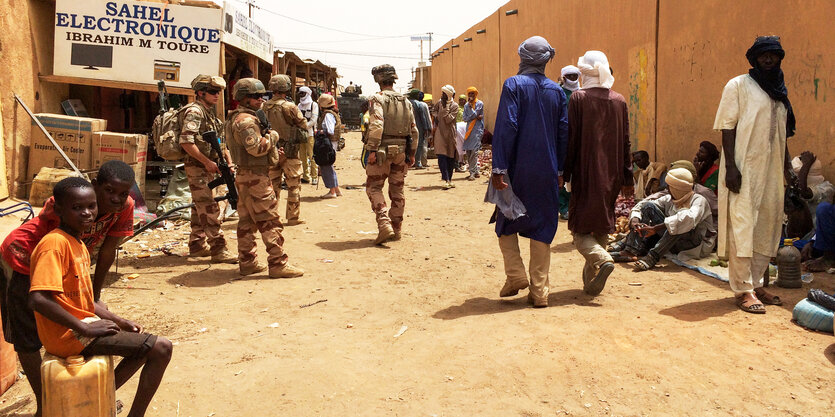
[685, 49]
[25, 51]
[700, 50]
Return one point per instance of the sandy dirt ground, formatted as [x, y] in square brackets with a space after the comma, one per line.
[416, 328]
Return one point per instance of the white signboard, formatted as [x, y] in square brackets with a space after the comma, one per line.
[136, 41]
[242, 32]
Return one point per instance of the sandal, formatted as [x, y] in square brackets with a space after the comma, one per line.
[767, 298]
[749, 303]
[646, 263]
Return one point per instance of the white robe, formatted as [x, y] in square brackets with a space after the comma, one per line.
[755, 214]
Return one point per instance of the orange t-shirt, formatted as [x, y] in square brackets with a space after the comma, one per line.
[61, 264]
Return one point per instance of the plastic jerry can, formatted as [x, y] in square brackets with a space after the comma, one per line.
[788, 266]
[75, 387]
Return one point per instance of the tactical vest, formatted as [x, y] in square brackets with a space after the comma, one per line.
[209, 122]
[396, 115]
[287, 133]
[337, 130]
[239, 154]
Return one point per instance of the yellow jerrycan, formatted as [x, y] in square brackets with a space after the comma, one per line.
[75, 387]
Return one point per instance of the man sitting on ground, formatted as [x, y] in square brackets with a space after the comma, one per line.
[647, 176]
[678, 222]
[822, 247]
[69, 320]
[814, 188]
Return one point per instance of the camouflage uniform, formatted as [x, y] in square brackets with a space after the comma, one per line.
[205, 215]
[291, 126]
[391, 121]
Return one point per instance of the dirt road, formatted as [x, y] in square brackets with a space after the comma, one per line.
[416, 328]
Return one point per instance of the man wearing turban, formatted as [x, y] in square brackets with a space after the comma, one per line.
[529, 142]
[474, 118]
[755, 117]
[598, 165]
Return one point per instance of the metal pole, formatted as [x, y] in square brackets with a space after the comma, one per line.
[48, 136]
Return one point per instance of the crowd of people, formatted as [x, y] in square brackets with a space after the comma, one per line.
[559, 150]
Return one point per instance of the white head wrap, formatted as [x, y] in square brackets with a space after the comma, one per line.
[307, 101]
[594, 67]
[450, 92]
[815, 176]
[568, 84]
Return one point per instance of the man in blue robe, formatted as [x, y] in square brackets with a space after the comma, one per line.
[529, 146]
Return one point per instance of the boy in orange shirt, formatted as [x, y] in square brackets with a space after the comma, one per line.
[69, 321]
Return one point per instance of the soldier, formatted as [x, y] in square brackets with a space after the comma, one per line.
[390, 153]
[291, 125]
[255, 152]
[206, 238]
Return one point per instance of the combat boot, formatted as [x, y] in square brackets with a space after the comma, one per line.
[286, 271]
[294, 222]
[202, 253]
[397, 236]
[386, 233]
[224, 257]
[253, 268]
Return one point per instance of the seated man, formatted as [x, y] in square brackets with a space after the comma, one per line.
[69, 320]
[822, 247]
[679, 222]
[814, 188]
[706, 165]
[647, 175]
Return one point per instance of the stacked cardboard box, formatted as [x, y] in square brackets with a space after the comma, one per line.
[73, 134]
[131, 148]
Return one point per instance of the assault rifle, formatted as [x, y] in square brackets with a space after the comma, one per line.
[263, 121]
[163, 97]
[226, 175]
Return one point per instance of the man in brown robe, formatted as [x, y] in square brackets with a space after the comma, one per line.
[598, 166]
[446, 110]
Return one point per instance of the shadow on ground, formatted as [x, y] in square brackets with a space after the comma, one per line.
[211, 276]
[350, 245]
[481, 305]
[701, 310]
[564, 247]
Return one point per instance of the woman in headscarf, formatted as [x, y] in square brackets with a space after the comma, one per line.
[474, 117]
[310, 110]
[598, 165]
[446, 109]
[331, 124]
[755, 117]
[706, 165]
[529, 142]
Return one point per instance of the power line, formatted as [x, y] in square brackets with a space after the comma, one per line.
[320, 26]
[351, 40]
[375, 55]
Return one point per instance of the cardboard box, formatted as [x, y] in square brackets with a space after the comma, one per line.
[73, 134]
[130, 148]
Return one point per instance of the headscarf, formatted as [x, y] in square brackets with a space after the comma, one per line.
[306, 102]
[534, 54]
[815, 175]
[686, 165]
[680, 183]
[414, 94]
[462, 97]
[449, 90]
[594, 67]
[427, 97]
[471, 125]
[566, 83]
[771, 81]
[712, 156]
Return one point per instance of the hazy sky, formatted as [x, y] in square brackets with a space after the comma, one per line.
[349, 32]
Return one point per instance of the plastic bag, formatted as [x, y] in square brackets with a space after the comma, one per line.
[507, 202]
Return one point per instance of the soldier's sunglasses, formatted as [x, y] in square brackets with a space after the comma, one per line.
[212, 91]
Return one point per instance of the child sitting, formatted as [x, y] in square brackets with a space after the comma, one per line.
[69, 320]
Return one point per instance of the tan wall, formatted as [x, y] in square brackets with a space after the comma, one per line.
[695, 64]
[698, 51]
[492, 57]
[22, 56]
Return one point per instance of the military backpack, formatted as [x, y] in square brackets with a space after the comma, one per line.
[166, 133]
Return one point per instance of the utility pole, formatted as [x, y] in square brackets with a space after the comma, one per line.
[250, 3]
[430, 43]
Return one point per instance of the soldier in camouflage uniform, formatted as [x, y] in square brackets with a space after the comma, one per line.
[255, 152]
[206, 237]
[291, 125]
[391, 123]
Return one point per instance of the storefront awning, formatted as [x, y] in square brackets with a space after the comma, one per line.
[113, 84]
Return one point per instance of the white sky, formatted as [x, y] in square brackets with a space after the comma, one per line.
[379, 27]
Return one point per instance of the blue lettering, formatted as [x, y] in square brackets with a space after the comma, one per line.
[110, 8]
[89, 22]
[163, 30]
[214, 35]
[154, 15]
[101, 26]
[130, 27]
[184, 37]
[74, 24]
[61, 20]
[166, 17]
[147, 25]
[118, 23]
[199, 34]
[125, 11]
[139, 12]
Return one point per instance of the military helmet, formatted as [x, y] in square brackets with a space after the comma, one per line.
[383, 73]
[279, 83]
[204, 82]
[325, 101]
[246, 86]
